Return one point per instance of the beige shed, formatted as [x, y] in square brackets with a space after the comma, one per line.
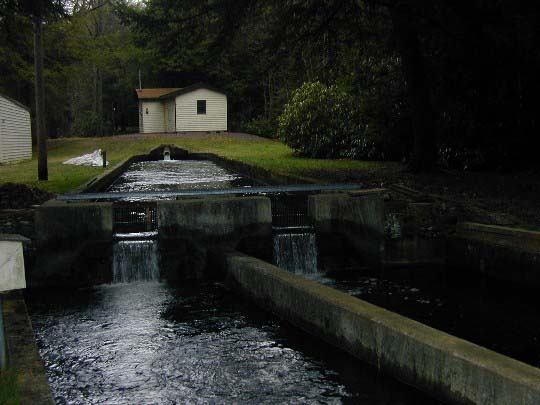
[15, 131]
[196, 108]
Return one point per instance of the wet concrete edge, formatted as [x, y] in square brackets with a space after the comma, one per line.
[22, 353]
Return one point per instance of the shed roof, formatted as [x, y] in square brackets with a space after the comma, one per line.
[143, 94]
[164, 93]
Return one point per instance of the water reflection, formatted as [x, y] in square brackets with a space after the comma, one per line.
[485, 312]
[152, 343]
[175, 175]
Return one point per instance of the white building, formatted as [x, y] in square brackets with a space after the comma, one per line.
[190, 109]
[15, 131]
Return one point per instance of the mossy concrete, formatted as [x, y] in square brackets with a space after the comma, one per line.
[363, 208]
[447, 367]
[213, 218]
[522, 239]
[508, 254]
[23, 359]
[358, 216]
[73, 244]
[65, 221]
[188, 228]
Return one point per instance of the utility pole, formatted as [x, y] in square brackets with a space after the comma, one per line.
[41, 134]
[140, 82]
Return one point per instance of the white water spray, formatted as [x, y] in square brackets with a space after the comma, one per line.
[296, 252]
[135, 260]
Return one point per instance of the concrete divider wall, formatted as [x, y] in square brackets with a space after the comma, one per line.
[189, 228]
[73, 244]
[213, 217]
[447, 367]
[365, 209]
[358, 216]
[61, 220]
[508, 254]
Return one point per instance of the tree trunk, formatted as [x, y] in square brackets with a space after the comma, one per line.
[424, 154]
[99, 110]
[41, 134]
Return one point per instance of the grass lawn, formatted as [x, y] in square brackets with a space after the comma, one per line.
[268, 154]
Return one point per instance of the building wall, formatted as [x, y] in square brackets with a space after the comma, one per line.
[15, 132]
[153, 116]
[215, 118]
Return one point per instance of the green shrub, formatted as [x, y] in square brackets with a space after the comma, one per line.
[260, 126]
[319, 121]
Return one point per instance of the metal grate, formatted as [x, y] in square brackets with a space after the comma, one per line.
[289, 211]
[135, 217]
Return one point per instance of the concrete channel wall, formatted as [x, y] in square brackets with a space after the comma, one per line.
[509, 254]
[23, 359]
[447, 367]
[358, 216]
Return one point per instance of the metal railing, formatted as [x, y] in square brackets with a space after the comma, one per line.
[244, 191]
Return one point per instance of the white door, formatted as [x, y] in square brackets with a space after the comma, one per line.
[141, 123]
[171, 117]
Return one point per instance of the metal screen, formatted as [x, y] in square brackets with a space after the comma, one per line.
[135, 217]
[289, 211]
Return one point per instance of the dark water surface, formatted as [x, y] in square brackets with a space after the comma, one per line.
[153, 343]
[499, 316]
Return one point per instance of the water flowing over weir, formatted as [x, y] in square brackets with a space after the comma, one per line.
[135, 260]
[295, 244]
[296, 252]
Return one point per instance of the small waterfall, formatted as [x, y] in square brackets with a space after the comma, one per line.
[135, 260]
[296, 252]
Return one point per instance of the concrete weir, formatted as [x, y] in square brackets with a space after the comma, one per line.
[447, 367]
[74, 240]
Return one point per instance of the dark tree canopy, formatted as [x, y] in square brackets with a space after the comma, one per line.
[435, 81]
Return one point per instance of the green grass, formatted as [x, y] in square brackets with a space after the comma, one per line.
[267, 154]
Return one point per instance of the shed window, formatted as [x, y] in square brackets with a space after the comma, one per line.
[201, 106]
